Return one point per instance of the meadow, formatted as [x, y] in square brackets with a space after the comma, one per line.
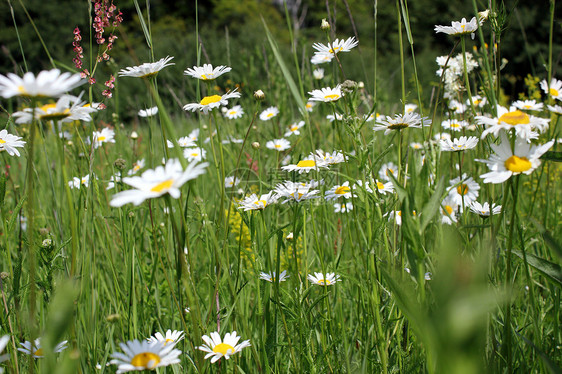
[270, 212]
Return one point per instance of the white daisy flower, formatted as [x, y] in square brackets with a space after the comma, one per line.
[106, 135]
[457, 107]
[400, 122]
[79, 182]
[136, 167]
[294, 128]
[209, 102]
[230, 182]
[326, 94]
[448, 211]
[149, 112]
[478, 101]
[371, 117]
[304, 166]
[343, 207]
[269, 113]
[278, 144]
[34, 348]
[144, 355]
[110, 184]
[318, 73]
[528, 105]
[3, 343]
[324, 280]
[253, 202]
[331, 118]
[321, 58]
[297, 192]
[459, 144]
[170, 337]
[410, 108]
[555, 109]
[384, 188]
[416, 146]
[270, 277]
[68, 108]
[206, 72]
[327, 158]
[504, 163]
[336, 46]
[483, 210]
[186, 141]
[218, 348]
[157, 182]
[146, 70]
[230, 140]
[396, 215]
[513, 118]
[234, 112]
[387, 169]
[341, 190]
[194, 154]
[10, 143]
[309, 106]
[459, 28]
[554, 89]
[465, 192]
[454, 124]
[48, 83]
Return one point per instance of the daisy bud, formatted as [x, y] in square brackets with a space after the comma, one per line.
[325, 25]
[259, 95]
[120, 164]
[360, 85]
[43, 231]
[134, 135]
[256, 145]
[290, 236]
[113, 318]
[349, 86]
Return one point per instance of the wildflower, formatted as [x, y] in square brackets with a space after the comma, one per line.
[457, 107]
[331, 117]
[157, 182]
[336, 46]
[297, 192]
[144, 355]
[461, 144]
[338, 191]
[270, 277]
[253, 202]
[343, 207]
[9, 143]
[309, 106]
[210, 102]
[384, 188]
[483, 210]
[554, 89]
[326, 158]
[505, 163]
[234, 112]
[410, 108]
[278, 144]
[454, 125]
[318, 73]
[218, 348]
[555, 109]
[106, 135]
[148, 112]
[416, 146]
[325, 25]
[48, 83]
[304, 166]
[397, 216]
[34, 348]
[464, 191]
[194, 154]
[136, 167]
[387, 169]
[269, 113]
[294, 128]
[3, 343]
[448, 211]
[321, 58]
[259, 95]
[146, 70]
[79, 182]
[477, 100]
[207, 73]
[324, 280]
[170, 337]
[528, 105]
[513, 118]
[459, 28]
[441, 136]
[68, 108]
[230, 182]
[326, 94]
[400, 122]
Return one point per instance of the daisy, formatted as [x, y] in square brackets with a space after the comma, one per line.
[9, 143]
[218, 348]
[170, 337]
[79, 182]
[362, 185]
[210, 102]
[397, 216]
[321, 58]
[144, 355]
[136, 167]
[48, 83]
[304, 166]
[324, 280]
[416, 146]
[555, 109]
[504, 163]
[331, 118]
[336, 46]
[400, 122]
[459, 28]
[318, 73]
[269, 113]
[34, 348]
[461, 144]
[106, 135]
[186, 141]
[234, 112]
[477, 101]
[146, 70]
[230, 182]
[387, 169]
[343, 208]
[278, 144]
[410, 108]
[338, 191]
[441, 136]
[148, 112]
[207, 73]
[230, 140]
[326, 158]
[309, 106]
[253, 202]
[326, 94]
[294, 128]
[157, 182]
[297, 192]
[371, 117]
[384, 188]
[513, 118]
[554, 89]
[457, 107]
[454, 125]
[3, 343]
[528, 105]
[465, 192]
[271, 277]
[448, 211]
[112, 180]
[68, 108]
[194, 154]
[483, 210]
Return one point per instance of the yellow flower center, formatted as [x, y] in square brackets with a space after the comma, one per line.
[455, 125]
[269, 115]
[462, 189]
[462, 27]
[324, 282]
[517, 164]
[299, 195]
[101, 138]
[306, 164]
[2, 141]
[207, 78]
[335, 50]
[389, 170]
[294, 128]
[223, 348]
[332, 97]
[232, 112]
[449, 209]
[380, 186]
[194, 154]
[146, 360]
[398, 126]
[277, 145]
[211, 99]
[514, 118]
[527, 106]
[22, 90]
[261, 202]
[342, 190]
[554, 92]
[168, 341]
[477, 102]
[309, 105]
[38, 352]
[162, 186]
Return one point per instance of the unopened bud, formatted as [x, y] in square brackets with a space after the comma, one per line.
[259, 95]
[290, 236]
[120, 163]
[325, 25]
[256, 145]
[134, 135]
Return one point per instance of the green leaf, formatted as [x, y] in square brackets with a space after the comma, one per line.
[555, 156]
[432, 206]
[143, 25]
[549, 269]
[548, 238]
